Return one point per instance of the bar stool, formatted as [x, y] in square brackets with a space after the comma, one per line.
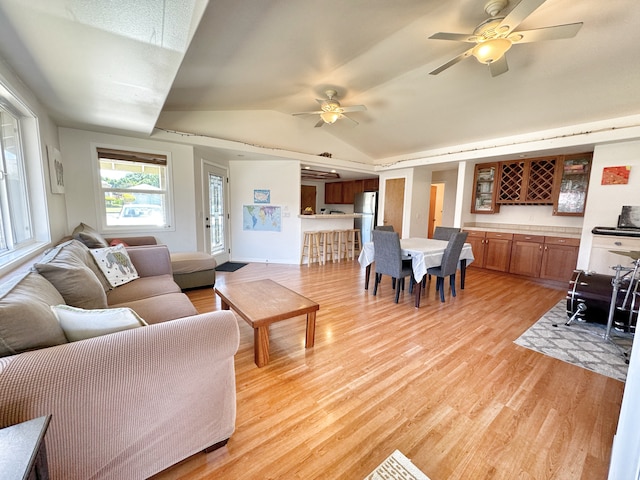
[326, 245]
[354, 242]
[310, 248]
[340, 237]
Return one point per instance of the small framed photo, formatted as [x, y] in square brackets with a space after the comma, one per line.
[262, 196]
[56, 170]
[615, 175]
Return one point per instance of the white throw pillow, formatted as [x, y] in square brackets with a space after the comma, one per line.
[115, 264]
[79, 324]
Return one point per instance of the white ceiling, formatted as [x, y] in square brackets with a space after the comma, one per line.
[252, 63]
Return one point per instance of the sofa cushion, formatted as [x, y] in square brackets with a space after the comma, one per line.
[144, 287]
[89, 236]
[115, 264]
[162, 308]
[70, 275]
[79, 324]
[81, 251]
[26, 319]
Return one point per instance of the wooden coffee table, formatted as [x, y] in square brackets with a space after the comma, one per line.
[264, 302]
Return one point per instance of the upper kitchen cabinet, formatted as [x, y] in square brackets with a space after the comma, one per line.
[571, 184]
[345, 192]
[527, 182]
[485, 181]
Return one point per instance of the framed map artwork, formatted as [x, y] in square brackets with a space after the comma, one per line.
[262, 196]
[262, 218]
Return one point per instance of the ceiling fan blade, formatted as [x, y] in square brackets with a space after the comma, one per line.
[354, 108]
[499, 66]
[458, 37]
[547, 33]
[348, 118]
[451, 62]
[517, 15]
[308, 113]
[320, 123]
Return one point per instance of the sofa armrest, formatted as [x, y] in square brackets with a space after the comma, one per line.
[151, 260]
[128, 404]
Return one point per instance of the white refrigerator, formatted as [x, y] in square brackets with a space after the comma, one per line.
[366, 204]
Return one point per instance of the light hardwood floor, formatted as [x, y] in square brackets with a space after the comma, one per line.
[444, 384]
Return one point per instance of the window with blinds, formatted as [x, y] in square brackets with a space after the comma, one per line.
[134, 188]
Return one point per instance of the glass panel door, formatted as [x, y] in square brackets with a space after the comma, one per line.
[216, 217]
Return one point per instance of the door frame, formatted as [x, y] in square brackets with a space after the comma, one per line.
[212, 168]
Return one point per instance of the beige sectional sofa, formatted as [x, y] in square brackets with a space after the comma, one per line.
[127, 404]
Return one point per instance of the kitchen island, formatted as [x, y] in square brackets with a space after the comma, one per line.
[334, 221]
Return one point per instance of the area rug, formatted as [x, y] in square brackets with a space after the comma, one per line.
[396, 467]
[580, 344]
[229, 266]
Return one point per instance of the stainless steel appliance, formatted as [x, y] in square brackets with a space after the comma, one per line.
[366, 204]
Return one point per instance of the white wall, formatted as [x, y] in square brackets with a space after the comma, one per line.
[282, 178]
[604, 202]
[78, 147]
[450, 180]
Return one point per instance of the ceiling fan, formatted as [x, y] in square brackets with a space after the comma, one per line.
[330, 110]
[493, 37]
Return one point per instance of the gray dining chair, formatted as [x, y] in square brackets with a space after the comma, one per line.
[444, 233]
[388, 261]
[449, 264]
[384, 228]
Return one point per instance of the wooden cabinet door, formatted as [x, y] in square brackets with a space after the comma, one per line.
[526, 255]
[476, 239]
[559, 258]
[333, 192]
[348, 192]
[371, 184]
[497, 251]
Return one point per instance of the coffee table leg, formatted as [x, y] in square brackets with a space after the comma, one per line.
[261, 345]
[311, 330]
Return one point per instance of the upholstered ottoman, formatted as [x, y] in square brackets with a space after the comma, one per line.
[193, 269]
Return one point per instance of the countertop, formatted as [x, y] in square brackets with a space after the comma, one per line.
[332, 216]
[567, 232]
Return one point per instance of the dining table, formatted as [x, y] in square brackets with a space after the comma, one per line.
[425, 253]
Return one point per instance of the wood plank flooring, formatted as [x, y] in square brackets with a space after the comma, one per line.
[444, 384]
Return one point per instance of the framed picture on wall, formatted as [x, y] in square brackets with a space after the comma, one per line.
[262, 196]
[56, 170]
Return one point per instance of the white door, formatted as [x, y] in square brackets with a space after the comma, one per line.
[216, 218]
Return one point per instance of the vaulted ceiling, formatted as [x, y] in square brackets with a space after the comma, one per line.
[250, 64]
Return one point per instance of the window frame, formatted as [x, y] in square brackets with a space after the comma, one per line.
[101, 212]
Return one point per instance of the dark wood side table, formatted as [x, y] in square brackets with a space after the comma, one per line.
[22, 451]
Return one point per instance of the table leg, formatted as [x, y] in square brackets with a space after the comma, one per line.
[418, 290]
[463, 271]
[311, 330]
[225, 306]
[261, 345]
[367, 274]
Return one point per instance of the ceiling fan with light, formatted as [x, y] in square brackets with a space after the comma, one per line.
[331, 110]
[493, 37]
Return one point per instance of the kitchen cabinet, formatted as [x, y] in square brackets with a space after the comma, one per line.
[527, 181]
[484, 188]
[491, 250]
[571, 184]
[559, 258]
[526, 255]
[370, 184]
[333, 192]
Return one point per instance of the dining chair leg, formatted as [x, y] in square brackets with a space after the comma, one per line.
[452, 282]
[376, 280]
[398, 289]
[440, 287]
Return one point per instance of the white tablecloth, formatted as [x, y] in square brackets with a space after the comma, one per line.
[424, 252]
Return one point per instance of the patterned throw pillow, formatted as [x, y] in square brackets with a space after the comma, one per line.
[115, 264]
[79, 324]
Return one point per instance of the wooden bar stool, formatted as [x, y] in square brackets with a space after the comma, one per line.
[310, 248]
[354, 242]
[326, 246]
[340, 237]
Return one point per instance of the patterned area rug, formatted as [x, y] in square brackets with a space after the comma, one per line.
[396, 467]
[580, 343]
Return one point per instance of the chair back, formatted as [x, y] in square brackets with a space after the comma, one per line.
[384, 228]
[387, 253]
[451, 254]
[444, 233]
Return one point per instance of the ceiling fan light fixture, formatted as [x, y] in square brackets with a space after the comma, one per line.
[491, 50]
[329, 117]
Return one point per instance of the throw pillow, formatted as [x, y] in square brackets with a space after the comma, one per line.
[115, 264]
[75, 281]
[79, 324]
[89, 236]
[26, 319]
[117, 241]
